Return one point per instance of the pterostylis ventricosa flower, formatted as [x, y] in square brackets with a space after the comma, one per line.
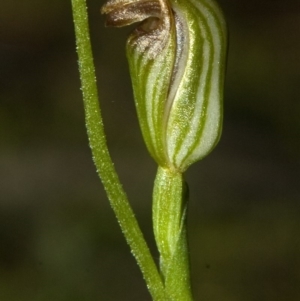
[177, 60]
[176, 57]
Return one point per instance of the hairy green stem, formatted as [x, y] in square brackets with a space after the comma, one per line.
[170, 198]
[102, 159]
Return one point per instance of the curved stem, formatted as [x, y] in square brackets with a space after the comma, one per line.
[102, 159]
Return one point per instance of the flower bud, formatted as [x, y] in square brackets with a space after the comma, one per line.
[177, 61]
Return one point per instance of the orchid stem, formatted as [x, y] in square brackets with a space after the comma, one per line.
[102, 159]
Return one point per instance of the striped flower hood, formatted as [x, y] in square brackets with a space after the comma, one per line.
[177, 61]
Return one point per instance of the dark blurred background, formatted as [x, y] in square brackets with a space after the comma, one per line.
[59, 239]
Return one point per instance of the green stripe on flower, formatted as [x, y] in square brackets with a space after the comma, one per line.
[195, 120]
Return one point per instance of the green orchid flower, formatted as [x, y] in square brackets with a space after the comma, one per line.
[177, 62]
